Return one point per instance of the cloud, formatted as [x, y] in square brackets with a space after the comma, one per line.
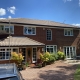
[9, 17]
[2, 18]
[70, 1]
[76, 24]
[2, 12]
[79, 2]
[12, 9]
[66, 0]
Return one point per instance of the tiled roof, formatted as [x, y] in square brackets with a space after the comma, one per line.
[37, 22]
[20, 41]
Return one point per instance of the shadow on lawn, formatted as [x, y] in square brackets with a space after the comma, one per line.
[61, 74]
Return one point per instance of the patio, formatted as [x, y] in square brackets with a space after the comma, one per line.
[57, 71]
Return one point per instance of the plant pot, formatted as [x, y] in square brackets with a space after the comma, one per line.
[44, 64]
[24, 67]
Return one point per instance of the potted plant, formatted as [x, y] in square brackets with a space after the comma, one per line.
[24, 67]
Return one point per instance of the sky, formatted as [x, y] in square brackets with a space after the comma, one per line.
[64, 11]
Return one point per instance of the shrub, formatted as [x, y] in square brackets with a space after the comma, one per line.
[55, 55]
[48, 58]
[17, 56]
[51, 58]
[61, 55]
[27, 64]
[45, 57]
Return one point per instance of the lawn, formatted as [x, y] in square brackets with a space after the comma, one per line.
[77, 73]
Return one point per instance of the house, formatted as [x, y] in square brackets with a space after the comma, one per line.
[34, 36]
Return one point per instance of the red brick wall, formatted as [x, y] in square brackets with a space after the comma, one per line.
[40, 34]
[58, 37]
[18, 30]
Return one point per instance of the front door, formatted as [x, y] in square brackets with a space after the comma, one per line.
[23, 51]
[29, 55]
[34, 55]
[70, 52]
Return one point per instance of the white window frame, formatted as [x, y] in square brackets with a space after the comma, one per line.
[71, 33]
[8, 51]
[48, 35]
[27, 30]
[7, 26]
[49, 46]
[35, 55]
[69, 51]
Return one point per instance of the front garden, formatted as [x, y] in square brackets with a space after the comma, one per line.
[49, 58]
[45, 59]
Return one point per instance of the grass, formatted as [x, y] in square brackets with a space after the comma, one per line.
[77, 73]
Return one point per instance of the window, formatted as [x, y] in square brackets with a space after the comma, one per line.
[70, 51]
[51, 48]
[34, 55]
[5, 53]
[68, 32]
[6, 28]
[29, 30]
[49, 34]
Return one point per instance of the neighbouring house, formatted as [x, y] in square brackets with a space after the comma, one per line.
[34, 36]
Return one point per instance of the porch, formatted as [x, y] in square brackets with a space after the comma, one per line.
[29, 48]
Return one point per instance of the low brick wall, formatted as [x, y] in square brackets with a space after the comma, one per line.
[8, 61]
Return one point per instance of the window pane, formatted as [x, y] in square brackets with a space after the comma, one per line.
[25, 30]
[29, 30]
[7, 29]
[49, 35]
[51, 49]
[11, 29]
[55, 49]
[65, 32]
[33, 30]
[1, 27]
[68, 32]
[71, 32]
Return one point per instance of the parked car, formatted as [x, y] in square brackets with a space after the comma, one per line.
[9, 72]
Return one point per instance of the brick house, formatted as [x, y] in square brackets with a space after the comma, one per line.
[34, 36]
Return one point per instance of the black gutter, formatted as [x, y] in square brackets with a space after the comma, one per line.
[39, 25]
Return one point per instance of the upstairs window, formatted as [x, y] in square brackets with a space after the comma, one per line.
[6, 28]
[49, 34]
[29, 30]
[68, 32]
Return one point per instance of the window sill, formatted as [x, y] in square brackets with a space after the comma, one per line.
[68, 35]
[29, 34]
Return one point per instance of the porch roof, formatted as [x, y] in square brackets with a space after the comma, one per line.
[20, 41]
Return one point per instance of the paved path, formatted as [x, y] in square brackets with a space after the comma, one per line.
[57, 71]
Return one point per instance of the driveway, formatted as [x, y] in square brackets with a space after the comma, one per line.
[57, 71]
